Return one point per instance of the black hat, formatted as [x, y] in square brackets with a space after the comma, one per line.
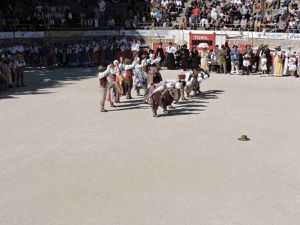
[244, 138]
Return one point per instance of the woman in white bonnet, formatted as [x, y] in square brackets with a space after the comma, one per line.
[292, 64]
[263, 65]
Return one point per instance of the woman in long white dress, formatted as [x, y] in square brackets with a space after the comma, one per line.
[292, 65]
[204, 59]
[263, 65]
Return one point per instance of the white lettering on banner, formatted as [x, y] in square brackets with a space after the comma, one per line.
[29, 34]
[64, 33]
[6, 35]
[159, 33]
[145, 33]
[134, 32]
[277, 36]
[94, 33]
[295, 37]
[200, 37]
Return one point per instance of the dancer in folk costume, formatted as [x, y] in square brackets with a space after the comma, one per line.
[193, 80]
[113, 95]
[191, 83]
[263, 65]
[176, 91]
[287, 55]
[202, 75]
[278, 62]
[121, 80]
[128, 67]
[161, 97]
[182, 82]
[102, 76]
[204, 59]
[140, 81]
[154, 76]
[292, 65]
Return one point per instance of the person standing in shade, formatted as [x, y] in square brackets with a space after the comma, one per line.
[19, 65]
[195, 59]
[171, 50]
[184, 52]
[160, 53]
[223, 54]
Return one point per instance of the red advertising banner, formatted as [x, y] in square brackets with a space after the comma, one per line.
[196, 39]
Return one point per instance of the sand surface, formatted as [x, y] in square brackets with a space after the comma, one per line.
[62, 162]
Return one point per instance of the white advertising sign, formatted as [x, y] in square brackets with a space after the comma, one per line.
[6, 35]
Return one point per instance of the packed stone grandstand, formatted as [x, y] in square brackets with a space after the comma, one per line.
[245, 15]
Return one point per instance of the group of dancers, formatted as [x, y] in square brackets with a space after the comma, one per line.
[120, 77]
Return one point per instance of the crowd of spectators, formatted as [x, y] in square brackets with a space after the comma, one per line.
[165, 13]
[244, 15]
[42, 15]
[227, 59]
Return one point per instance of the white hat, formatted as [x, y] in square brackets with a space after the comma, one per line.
[170, 85]
[205, 76]
[101, 75]
[160, 88]
[189, 83]
[115, 62]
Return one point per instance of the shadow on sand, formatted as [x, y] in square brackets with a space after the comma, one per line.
[193, 105]
[38, 80]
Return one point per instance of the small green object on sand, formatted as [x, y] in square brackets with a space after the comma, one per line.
[244, 138]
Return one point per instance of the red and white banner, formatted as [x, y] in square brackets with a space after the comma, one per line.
[196, 39]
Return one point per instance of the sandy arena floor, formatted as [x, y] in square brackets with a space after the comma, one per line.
[64, 163]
